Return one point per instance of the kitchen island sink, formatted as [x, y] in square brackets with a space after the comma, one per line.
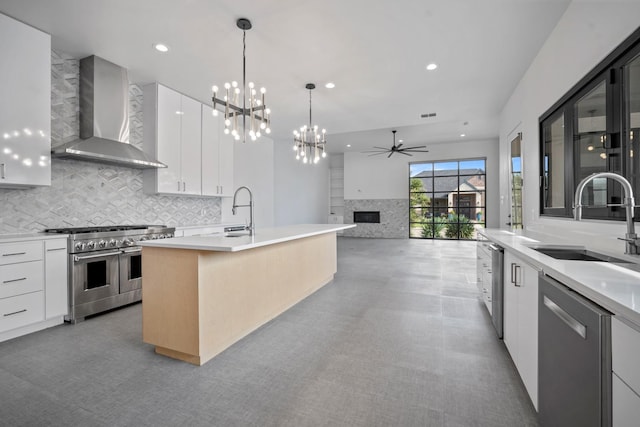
[575, 253]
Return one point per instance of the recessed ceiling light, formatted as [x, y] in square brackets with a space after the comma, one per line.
[432, 66]
[330, 85]
[161, 47]
[401, 140]
[462, 135]
[348, 145]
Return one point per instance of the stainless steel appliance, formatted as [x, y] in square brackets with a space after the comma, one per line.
[105, 266]
[574, 358]
[497, 287]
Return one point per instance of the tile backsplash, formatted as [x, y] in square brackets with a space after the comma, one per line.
[87, 193]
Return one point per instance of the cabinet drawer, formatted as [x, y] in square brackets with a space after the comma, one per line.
[625, 348]
[21, 310]
[626, 405]
[11, 253]
[18, 279]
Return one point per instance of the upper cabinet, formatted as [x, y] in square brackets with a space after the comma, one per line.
[25, 105]
[172, 135]
[217, 156]
[185, 135]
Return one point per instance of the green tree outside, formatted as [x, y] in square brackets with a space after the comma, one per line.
[420, 202]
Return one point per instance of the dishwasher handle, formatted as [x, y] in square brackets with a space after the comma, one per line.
[569, 320]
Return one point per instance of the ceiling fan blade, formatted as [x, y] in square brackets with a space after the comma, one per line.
[375, 151]
[390, 154]
[406, 154]
[415, 146]
[399, 145]
[382, 148]
[415, 151]
[377, 154]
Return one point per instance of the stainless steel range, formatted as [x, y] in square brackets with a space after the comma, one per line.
[105, 266]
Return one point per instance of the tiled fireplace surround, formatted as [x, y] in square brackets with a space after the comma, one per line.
[394, 215]
[85, 193]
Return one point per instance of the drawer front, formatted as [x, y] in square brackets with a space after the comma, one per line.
[18, 279]
[625, 348]
[626, 405]
[22, 310]
[11, 253]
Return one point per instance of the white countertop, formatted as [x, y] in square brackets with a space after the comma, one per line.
[242, 241]
[24, 237]
[613, 287]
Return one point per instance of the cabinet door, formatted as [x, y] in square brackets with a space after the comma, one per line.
[25, 105]
[210, 152]
[510, 307]
[528, 330]
[226, 164]
[168, 137]
[56, 287]
[191, 136]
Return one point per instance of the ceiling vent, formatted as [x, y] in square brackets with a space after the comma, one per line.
[427, 115]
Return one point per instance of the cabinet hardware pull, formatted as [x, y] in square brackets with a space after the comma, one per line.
[14, 254]
[517, 282]
[15, 312]
[513, 265]
[2, 169]
[578, 327]
[132, 251]
[14, 280]
[184, 186]
[56, 249]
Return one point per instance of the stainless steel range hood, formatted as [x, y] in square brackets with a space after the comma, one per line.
[104, 118]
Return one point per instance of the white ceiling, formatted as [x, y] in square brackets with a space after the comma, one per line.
[375, 51]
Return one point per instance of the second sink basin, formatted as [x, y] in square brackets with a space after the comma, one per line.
[575, 254]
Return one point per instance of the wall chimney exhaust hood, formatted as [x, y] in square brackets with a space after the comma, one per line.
[104, 118]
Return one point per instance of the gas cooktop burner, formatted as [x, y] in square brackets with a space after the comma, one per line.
[99, 229]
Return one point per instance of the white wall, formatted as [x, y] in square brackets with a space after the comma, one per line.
[302, 190]
[588, 31]
[253, 168]
[379, 177]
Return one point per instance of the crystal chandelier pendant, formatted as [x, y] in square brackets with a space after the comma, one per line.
[244, 107]
[308, 143]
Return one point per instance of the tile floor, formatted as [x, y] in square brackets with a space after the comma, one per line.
[399, 338]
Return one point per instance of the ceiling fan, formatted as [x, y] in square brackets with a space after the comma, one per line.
[397, 149]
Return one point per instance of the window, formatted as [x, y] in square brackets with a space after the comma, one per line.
[447, 199]
[593, 128]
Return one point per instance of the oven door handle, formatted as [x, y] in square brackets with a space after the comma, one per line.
[131, 251]
[100, 255]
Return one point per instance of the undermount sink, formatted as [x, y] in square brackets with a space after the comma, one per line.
[575, 254]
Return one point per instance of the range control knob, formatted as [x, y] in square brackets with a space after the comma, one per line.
[112, 243]
[143, 238]
[79, 246]
[91, 245]
[102, 244]
[128, 242]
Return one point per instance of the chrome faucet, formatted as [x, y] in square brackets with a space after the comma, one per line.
[630, 237]
[250, 227]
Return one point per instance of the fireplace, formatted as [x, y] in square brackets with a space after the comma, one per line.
[366, 217]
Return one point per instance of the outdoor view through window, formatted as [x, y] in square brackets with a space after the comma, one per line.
[447, 199]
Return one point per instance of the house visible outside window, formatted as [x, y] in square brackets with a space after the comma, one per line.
[447, 199]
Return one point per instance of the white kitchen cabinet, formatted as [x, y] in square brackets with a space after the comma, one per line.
[33, 285]
[521, 320]
[625, 347]
[217, 156]
[56, 287]
[172, 134]
[25, 105]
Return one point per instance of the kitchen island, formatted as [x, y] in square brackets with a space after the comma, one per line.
[203, 293]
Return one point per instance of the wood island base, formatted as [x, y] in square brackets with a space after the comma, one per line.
[197, 303]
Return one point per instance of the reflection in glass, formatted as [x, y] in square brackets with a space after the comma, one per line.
[553, 163]
[516, 183]
[632, 107]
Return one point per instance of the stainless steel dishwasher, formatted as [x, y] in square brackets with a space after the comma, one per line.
[497, 287]
[574, 358]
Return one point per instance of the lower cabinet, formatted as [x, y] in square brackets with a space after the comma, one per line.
[521, 320]
[33, 286]
[625, 348]
[483, 267]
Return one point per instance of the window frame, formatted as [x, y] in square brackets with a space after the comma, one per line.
[610, 70]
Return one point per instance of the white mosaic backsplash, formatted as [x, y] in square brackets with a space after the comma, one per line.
[394, 218]
[86, 193]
